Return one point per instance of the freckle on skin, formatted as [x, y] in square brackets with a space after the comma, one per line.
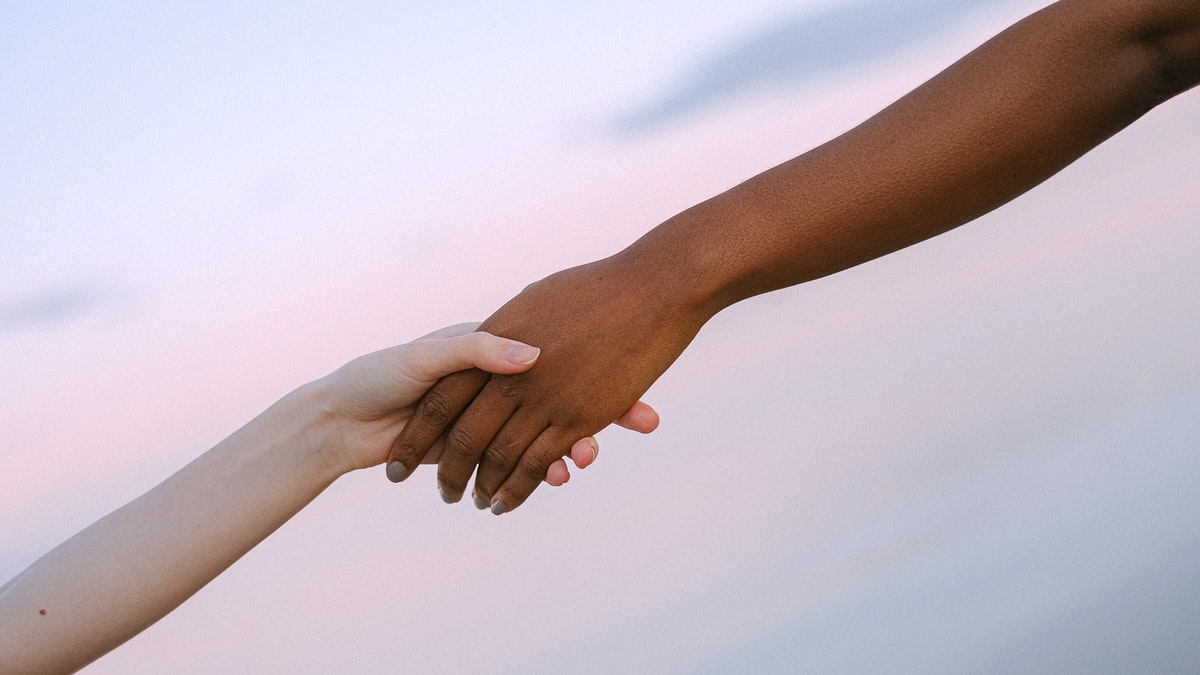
[42, 612]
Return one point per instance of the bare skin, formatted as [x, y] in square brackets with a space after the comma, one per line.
[132, 567]
[993, 125]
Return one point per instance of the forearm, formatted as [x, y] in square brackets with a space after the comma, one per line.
[131, 568]
[990, 127]
[993, 125]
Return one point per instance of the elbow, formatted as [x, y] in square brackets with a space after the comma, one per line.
[1173, 47]
[1179, 65]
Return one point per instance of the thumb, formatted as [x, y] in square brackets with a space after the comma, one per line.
[432, 359]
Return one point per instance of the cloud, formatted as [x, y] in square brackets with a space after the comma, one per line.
[799, 50]
[48, 306]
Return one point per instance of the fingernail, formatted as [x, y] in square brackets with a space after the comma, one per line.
[498, 507]
[521, 355]
[396, 472]
[480, 502]
[595, 449]
[446, 495]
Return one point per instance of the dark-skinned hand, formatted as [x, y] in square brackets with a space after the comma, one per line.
[606, 335]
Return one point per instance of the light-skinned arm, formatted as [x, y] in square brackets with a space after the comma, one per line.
[988, 128]
[132, 567]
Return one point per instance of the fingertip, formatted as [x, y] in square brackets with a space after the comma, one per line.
[650, 422]
[480, 502]
[501, 355]
[521, 354]
[396, 471]
[558, 474]
[585, 451]
[640, 418]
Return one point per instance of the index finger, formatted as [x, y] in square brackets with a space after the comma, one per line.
[436, 410]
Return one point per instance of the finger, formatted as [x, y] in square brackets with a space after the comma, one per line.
[503, 452]
[585, 451]
[436, 410]
[434, 455]
[640, 418]
[469, 436]
[431, 359]
[558, 474]
[452, 331]
[528, 472]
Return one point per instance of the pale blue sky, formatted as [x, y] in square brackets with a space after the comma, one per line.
[976, 455]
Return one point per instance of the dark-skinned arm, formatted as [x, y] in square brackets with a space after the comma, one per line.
[993, 125]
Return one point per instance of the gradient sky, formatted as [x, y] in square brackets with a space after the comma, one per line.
[976, 455]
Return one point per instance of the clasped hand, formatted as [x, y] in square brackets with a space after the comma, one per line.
[605, 337]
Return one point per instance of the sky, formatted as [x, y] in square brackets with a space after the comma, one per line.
[975, 455]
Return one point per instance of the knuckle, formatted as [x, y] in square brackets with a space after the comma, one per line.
[478, 340]
[498, 454]
[508, 385]
[405, 449]
[460, 445]
[530, 469]
[435, 408]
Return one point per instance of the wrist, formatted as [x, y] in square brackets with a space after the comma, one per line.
[680, 264]
[314, 434]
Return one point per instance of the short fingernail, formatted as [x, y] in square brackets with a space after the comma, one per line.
[446, 495]
[498, 507]
[480, 502]
[595, 449]
[396, 472]
[521, 355]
